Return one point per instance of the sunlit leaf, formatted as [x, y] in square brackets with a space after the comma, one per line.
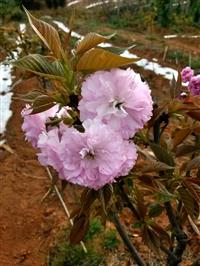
[40, 65]
[91, 40]
[47, 34]
[99, 59]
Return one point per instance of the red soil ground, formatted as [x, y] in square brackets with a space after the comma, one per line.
[26, 223]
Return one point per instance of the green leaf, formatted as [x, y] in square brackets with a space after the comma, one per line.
[91, 40]
[40, 65]
[100, 59]
[47, 34]
[42, 103]
[155, 210]
[162, 154]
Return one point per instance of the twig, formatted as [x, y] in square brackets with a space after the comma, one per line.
[64, 206]
[126, 239]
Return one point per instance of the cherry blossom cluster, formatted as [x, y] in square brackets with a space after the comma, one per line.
[187, 75]
[114, 105]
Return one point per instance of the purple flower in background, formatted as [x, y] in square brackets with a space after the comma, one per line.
[186, 74]
[96, 157]
[119, 98]
[34, 125]
[194, 85]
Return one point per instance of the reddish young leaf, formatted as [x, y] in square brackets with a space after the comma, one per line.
[100, 59]
[181, 135]
[41, 104]
[186, 149]
[79, 229]
[191, 206]
[91, 40]
[47, 34]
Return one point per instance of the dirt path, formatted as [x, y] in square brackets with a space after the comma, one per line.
[27, 226]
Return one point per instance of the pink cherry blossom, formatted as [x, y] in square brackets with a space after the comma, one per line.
[34, 124]
[119, 98]
[96, 157]
[186, 74]
[194, 85]
[50, 147]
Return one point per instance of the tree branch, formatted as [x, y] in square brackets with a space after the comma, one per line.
[126, 239]
[181, 237]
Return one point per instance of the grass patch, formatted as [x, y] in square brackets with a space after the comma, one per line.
[66, 255]
[110, 240]
[99, 243]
